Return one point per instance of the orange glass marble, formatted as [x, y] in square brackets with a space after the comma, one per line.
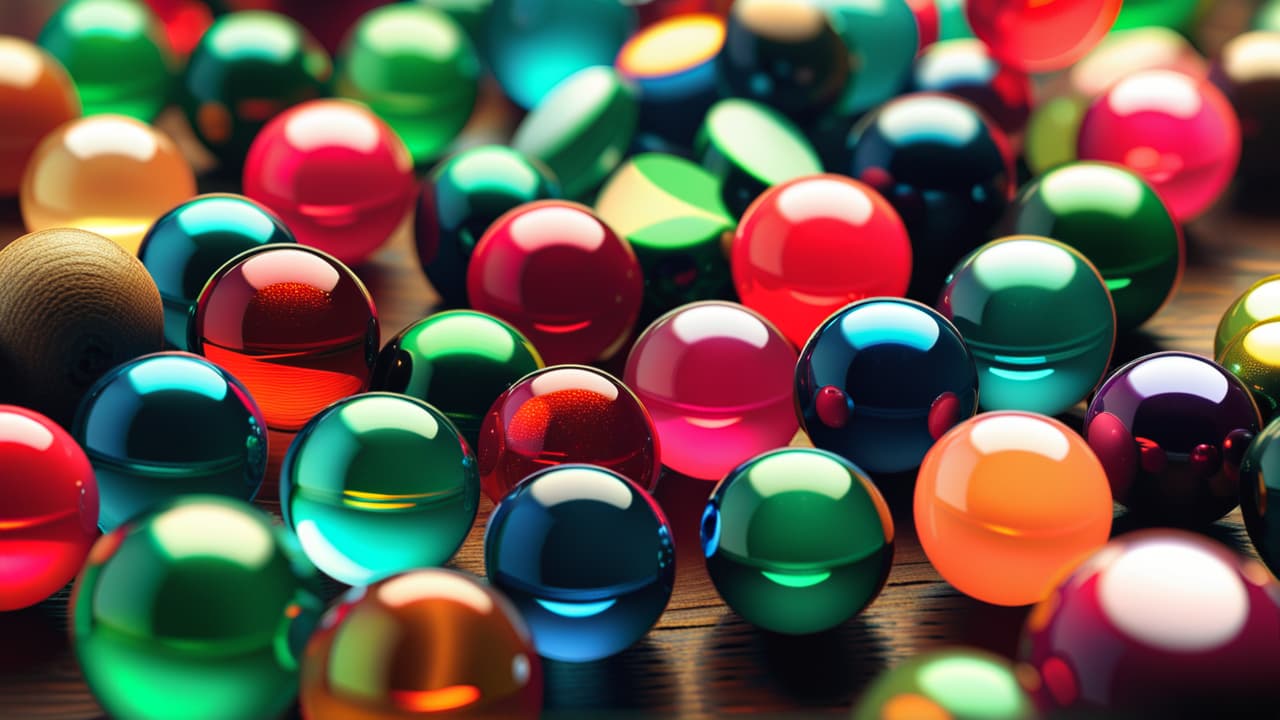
[109, 174]
[36, 96]
[1008, 502]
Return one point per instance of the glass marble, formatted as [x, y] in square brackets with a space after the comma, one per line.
[377, 484]
[117, 54]
[198, 609]
[944, 167]
[1000, 296]
[566, 414]
[671, 63]
[1116, 219]
[1178, 132]
[792, 582]
[445, 645]
[184, 23]
[1173, 14]
[1159, 623]
[416, 68]
[966, 69]
[955, 683]
[470, 15]
[1247, 71]
[50, 514]
[108, 174]
[810, 246]
[714, 376]
[1261, 301]
[1254, 357]
[1171, 428]
[1267, 16]
[296, 326]
[749, 148]
[462, 197]
[587, 558]
[953, 22]
[882, 38]
[184, 248]
[1259, 491]
[248, 68]
[341, 179]
[36, 96]
[459, 361]
[881, 380]
[562, 277]
[1041, 36]
[1006, 502]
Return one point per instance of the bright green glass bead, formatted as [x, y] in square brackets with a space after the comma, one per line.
[1254, 357]
[414, 67]
[955, 683]
[1260, 302]
[377, 484]
[116, 54]
[197, 610]
[1175, 14]
[797, 540]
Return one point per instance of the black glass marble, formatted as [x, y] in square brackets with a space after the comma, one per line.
[1248, 73]
[1260, 494]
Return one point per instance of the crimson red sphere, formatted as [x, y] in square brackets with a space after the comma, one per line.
[1042, 35]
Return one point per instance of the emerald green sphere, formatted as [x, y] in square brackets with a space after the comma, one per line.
[954, 683]
[376, 484]
[198, 610]
[797, 540]
[1174, 14]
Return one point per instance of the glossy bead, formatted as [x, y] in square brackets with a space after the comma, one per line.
[459, 361]
[1159, 623]
[189, 243]
[1171, 428]
[248, 68]
[953, 24]
[1260, 495]
[966, 69]
[999, 297]
[295, 325]
[446, 645]
[339, 177]
[1178, 132]
[944, 167]
[1247, 71]
[1254, 357]
[36, 96]
[1174, 14]
[587, 558]
[1261, 301]
[881, 380]
[1041, 36]
[184, 23]
[881, 38]
[50, 515]
[562, 277]
[108, 174]
[417, 69]
[956, 683]
[1006, 502]
[715, 377]
[1114, 218]
[204, 592]
[794, 582]
[671, 63]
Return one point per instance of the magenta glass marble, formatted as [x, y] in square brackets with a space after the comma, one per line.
[715, 377]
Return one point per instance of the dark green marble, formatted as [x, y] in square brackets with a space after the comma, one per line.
[1260, 494]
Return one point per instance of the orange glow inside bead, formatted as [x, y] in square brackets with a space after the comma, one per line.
[36, 96]
[671, 46]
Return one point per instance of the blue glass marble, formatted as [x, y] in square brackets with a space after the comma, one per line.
[881, 380]
[587, 558]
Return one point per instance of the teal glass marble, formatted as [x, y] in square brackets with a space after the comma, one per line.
[198, 610]
[187, 245]
[793, 582]
[376, 484]
[956, 683]
[462, 197]
[1260, 494]
[1039, 320]
[116, 53]
[415, 68]
[953, 23]
[458, 361]
[587, 558]
[166, 425]
[882, 38]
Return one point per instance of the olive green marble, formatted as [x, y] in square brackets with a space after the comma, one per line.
[1254, 357]
[1261, 301]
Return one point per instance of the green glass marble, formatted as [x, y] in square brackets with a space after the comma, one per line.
[1267, 17]
[750, 148]
[670, 211]
[417, 69]
[952, 22]
[116, 53]
[1115, 219]
[953, 683]
[1038, 319]
[1261, 301]
[376, 484]
[1051, 134]
[1174, 14]
[459, 361]
[198, 610]
[469, 14]
[797, 582]
[581, 129]
[249, 67]
[882, 38]
[1260, 494]
[1254, 357]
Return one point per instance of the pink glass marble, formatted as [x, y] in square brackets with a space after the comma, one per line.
[716, 378]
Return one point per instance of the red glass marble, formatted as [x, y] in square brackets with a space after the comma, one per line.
[293, 324]
[1041, 35]
[335, 173]
[1179, 132]
[184, 22]
[566, 414]
[928, 21]
[561, 276]
[808, 247]
[715, 376]
[49, 517]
